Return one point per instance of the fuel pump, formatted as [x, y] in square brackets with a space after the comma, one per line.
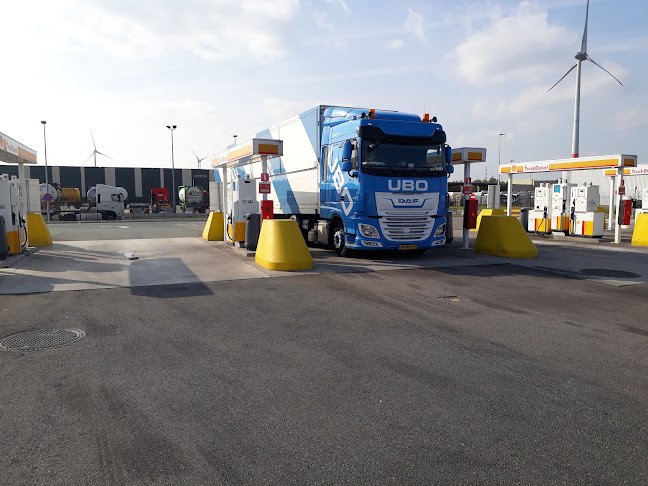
[242, 196]
[644, 203]
[625, 215]
[471, 207]
[560, 207]
[540, 215]
[585, 219]
[12, 208]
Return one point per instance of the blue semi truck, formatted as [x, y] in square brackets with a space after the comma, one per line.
[360, 179]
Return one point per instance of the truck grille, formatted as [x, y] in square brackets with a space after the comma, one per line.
[406, 228]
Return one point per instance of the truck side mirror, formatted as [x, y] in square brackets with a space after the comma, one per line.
[346, 166]
[347, 149]
[450, 169]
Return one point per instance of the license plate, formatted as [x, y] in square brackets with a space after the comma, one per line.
[407, 247]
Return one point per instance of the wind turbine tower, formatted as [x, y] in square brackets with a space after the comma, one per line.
[198, 159]
[580, 57]
[95, 151]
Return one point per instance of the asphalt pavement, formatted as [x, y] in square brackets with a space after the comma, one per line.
[479, 372]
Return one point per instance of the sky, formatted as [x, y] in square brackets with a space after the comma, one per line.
[123, 70]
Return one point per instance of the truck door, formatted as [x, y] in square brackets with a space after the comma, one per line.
[340, 189]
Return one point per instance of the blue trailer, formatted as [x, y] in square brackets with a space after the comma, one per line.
[360, 179]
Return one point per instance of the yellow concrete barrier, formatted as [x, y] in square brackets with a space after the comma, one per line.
[504, 236]
[37, 232]
[282, 247]
[214, 230]
[640, 233]
[488, 212]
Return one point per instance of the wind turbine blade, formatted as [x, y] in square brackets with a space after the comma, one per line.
[93, 142]
[572, 68]
[200, 160]
[597, 64]
[104, 155]
[89, 157]
[195, 155]
[584, 43]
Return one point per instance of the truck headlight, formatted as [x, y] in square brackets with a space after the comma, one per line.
[440, 230]
[368, 231]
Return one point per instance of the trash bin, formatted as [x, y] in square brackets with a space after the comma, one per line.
[252, 229]
[524, 217]
[4, 242]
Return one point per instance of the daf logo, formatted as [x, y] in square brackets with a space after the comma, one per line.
[408, 201]
[407, 185]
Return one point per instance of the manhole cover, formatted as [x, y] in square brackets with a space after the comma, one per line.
[40, 339]
[604, 272]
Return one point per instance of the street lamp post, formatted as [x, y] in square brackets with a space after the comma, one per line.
[499, 158]
[173, 127]
[47, 206]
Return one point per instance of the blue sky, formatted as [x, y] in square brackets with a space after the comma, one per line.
[126, 69]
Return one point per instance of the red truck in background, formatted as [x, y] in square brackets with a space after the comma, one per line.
[160, 200]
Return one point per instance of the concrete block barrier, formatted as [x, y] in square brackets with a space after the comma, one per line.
[504, 236]
[640, 233]
[281, 246]
[37, 232]
[214, 230]
[488, 212]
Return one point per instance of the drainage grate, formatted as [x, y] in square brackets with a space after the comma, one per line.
[604, 272]
[40, 339]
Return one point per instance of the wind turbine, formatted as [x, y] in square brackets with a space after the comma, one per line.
[198, 159]
[580, 57]
[95, 151]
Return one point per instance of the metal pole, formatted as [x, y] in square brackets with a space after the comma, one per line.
[611, 203]
[509, 195]
[617, 226]
[174, 188]
[499, 158]
[173, 173]
[47, 205]
[466, 232]
[224, 203]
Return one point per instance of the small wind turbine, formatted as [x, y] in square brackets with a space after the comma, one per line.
[580, 57]
[198, 159]
[95, 151]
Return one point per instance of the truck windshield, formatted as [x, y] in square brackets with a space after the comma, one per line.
[382, 158]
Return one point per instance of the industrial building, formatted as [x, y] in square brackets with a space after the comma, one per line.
[137, 181]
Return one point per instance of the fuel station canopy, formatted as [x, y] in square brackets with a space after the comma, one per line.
[468, 155]
[617, 164]
[248, 152]
[15, 152]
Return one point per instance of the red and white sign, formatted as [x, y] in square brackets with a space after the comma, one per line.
[264, 188]
[467, 189]
[621, 190]
[467, 180]
[265, 177]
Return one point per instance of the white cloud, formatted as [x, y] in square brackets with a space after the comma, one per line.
[396, 44]
[522, 46]
[414, 24]
[342, 4]
[278, 109]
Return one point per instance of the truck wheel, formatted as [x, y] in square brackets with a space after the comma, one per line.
[339, 239]
[110, 216]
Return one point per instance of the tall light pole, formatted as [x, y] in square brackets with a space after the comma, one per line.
[235, 139]
[173, 127]
[499, 158]
[46, 176]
